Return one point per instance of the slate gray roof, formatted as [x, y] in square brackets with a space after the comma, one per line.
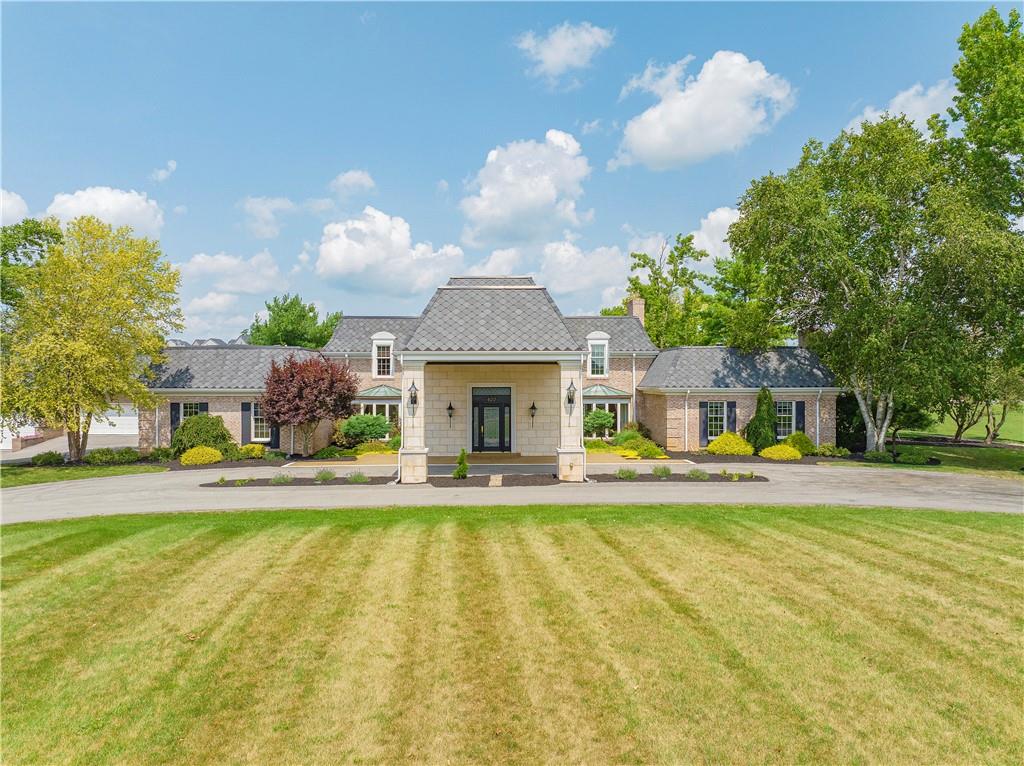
[353, 333]
[723, 367]
[491, 319]
[491, 281]
[221, 367]
[627, 333]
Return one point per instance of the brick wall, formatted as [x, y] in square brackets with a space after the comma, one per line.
[363, 368]
[620, 373]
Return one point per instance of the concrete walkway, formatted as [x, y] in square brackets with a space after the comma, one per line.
[789, 485]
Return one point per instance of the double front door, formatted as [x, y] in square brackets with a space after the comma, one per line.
[492, 419]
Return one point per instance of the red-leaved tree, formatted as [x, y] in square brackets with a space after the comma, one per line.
[301, 393]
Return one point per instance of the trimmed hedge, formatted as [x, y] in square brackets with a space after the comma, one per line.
[730, 443]
[828, 449]
[108, 456]
[801, 442]
[201, 456]
[878, 456]
[780, 452]
[48, 458]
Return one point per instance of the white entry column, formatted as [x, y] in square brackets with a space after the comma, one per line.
[572, 457]
[412, 455]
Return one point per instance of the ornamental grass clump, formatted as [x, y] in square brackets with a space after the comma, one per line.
[201, 456]
[358, 478]
[781, 452]
[662, 471]
[801, 442]
[626, 474]
[281, 478]
[323, 476]
[760, 431]
[730, 443]
[698, 474]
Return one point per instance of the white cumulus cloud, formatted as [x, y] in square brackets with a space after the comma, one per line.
[114, 206]
[162, 174]
[376, 251]
[352, 181]
[527, 191]
[721, 109]
[564, 48]
[233, 273]
[916, 102]
[12, 208]
[503, 262]
[710, 237]
[212, 303]
[262, 215]
[567, 268]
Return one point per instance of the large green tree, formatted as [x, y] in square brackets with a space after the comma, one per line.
[290, 322]
[91, 320]
[22, 246]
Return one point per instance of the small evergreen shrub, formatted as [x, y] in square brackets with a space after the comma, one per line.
[461, 467]
[324, 475]
[358, 478]
[108, 456]
[281, 479]
[253, 451]
[626, 474]
[598, 421]
[801, 442]
[662, 471]
[910, 458]
[273, 454]
[161, 454]
[330, 452]
[241, 482]
[698, 474]
[201, 456]
[363, 428]
[828, 449]
[878, 456]
[202, 430]
[222, 480]
[646, 449]
[730, 444]
[48, 458]
[760, 431]
[781, 452]
[626, 435]
[395, 442]
[231, 451]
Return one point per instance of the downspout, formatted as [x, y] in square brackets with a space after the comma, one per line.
[817, 420]
[401, 412]
[583, 361]
[632, 397]
[156, 441]
[686, 422]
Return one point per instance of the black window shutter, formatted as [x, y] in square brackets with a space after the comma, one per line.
[703, 408]
[204, 406]
[730, 416]
[246, 422]
[275, 437]
[799, 409]
[175, 416]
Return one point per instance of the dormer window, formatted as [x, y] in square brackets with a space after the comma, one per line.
[383, 362]
[597, 343]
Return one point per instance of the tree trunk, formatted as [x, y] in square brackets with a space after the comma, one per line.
[992, 426]
[78, 440]
[875, 425]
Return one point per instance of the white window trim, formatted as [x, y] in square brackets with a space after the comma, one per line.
[598, 338]
[380, 340]
[199, 410]
[725, 418]
[252, 426]
[791, 417]
[606, 404]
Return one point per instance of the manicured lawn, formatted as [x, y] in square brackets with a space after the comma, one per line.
[1012, 430]
[540, 634]
[990, 460]
[19, 475]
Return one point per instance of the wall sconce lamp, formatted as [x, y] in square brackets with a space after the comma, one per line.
[451, 411]
[412, 394]
[570, 394]
[533, 413]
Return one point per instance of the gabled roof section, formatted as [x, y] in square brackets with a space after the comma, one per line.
[724, 367]
[602, 390]
[212, 368]
[353, 333]
[496, 281]
[379, 392]
[626, 333]
[492, 318]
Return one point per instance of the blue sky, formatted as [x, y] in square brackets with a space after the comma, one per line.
[356, 153]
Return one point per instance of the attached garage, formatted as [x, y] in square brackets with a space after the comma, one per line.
[123, 423]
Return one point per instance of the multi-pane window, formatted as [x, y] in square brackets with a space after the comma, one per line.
[388, 410]
[260, 426]
[619, 411]
[784, 419]
[716, 420]
[188, 409]
[382, 359]
[598, 360]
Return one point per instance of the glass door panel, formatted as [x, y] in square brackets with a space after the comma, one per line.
[492, 428]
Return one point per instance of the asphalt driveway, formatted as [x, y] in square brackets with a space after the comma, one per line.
[177, 491]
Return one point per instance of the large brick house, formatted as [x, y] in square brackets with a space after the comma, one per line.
[492, 365]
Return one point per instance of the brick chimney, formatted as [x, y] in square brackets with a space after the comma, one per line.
[635, 307]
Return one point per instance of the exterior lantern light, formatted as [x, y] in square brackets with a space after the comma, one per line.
[570, 393]
[451, 411]
[412, 394]
[533, 410]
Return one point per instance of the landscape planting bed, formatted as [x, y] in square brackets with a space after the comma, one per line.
[340, 481]
[674, 478]
[252, 463]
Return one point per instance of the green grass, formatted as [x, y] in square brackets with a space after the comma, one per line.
[540, 634]
[1012, 430]
[20, 475]
[994, 461]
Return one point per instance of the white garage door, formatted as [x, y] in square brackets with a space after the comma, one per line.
[125, 422]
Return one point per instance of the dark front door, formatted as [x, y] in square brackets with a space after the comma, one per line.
[492, 419]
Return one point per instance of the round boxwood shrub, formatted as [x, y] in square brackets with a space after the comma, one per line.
[363, 428]
[101, 456]
[801, 442]
[202, 430]
[828, 449]
[730, 443]
[252, 451]
[201, 456]
[878, 456]
[48, 458]
[598, 421]
[780, 452]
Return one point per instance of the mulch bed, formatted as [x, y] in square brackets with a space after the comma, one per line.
[448, 481]
[303, 482]
[703, 457]
[254, 463]
[649, 478]
[528, 479]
